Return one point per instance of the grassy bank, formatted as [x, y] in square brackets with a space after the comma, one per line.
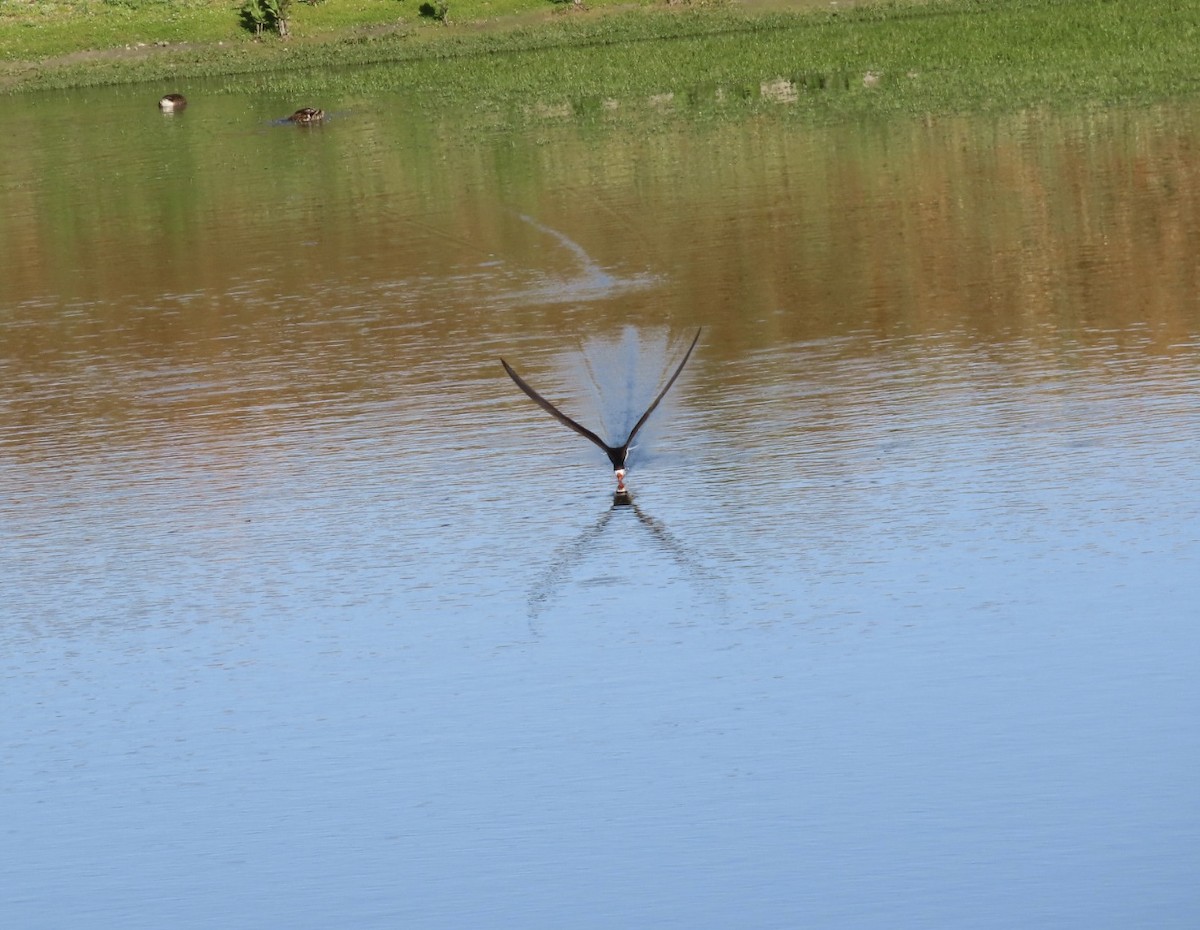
[910, 56]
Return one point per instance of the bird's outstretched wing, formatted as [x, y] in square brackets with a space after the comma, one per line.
[662, 393]
[555, 412]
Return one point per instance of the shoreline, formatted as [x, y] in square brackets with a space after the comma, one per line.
[920, 56]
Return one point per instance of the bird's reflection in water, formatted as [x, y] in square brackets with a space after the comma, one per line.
[547, 585]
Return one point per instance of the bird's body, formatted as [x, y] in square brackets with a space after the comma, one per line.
[172, 103]
[307, 115]
[616, 454]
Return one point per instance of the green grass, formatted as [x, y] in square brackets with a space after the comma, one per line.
[904, 57]
[32, 30]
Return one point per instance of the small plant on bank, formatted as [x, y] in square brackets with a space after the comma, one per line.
[261, 15]
[437, 10]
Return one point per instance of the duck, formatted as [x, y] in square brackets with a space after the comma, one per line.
[172, 102]
[616, 454]
[307, 115]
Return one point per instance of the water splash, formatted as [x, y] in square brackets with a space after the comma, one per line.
[623, 375]
[592, 282]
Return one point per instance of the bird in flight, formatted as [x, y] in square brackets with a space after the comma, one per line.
[616, 454]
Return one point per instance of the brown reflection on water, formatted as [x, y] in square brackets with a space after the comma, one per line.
[1026, 226]
[216, 263]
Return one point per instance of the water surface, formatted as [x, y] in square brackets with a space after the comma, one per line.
[311, 619]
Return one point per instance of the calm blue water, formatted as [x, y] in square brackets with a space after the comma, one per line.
[311, 619]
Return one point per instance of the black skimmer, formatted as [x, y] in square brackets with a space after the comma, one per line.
[616, 454]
